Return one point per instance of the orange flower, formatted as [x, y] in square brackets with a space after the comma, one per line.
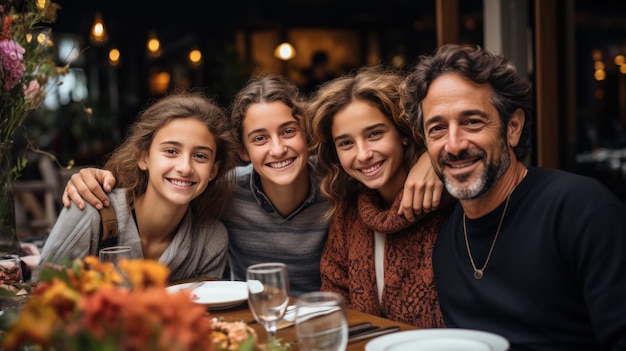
[35, 325]
[81, 307]
[62, 300]
[145, 273]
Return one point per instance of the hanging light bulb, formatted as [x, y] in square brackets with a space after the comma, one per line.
[153, 45]
[285, 51]
[114, 56]
[98, 34]
[195, 57]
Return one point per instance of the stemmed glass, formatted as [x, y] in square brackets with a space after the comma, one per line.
[114, 255]
[268, 294]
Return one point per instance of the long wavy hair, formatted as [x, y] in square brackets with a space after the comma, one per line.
[510, 90]
[122, 162]
[380, 86]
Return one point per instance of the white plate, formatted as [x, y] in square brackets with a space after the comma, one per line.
[216, 294]
[445, 339]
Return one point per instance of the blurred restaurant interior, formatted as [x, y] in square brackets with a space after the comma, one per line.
[573, 51]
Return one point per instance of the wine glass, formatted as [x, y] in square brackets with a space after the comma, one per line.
[268, 294]
[321, 322]
[114, 255]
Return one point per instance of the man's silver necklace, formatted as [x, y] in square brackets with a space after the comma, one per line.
[479, 273]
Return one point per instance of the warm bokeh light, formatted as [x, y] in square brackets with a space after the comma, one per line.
[598, 65]
[619, 60]
[41, 38]
[98, 28]
[195, 56]
[596, 54]
[41, 4]
[98, 32]
[114, 56]
[599, 74]
[622, 69]
[285, 51]
[159, 82]
[153, 45]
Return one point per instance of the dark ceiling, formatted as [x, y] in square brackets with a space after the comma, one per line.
[76, 15]
[185, 15]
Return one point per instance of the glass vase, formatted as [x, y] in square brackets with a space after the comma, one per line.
[9, 243]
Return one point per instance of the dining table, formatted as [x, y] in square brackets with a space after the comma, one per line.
[242, 313]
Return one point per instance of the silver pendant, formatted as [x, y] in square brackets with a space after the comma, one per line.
[478, 274]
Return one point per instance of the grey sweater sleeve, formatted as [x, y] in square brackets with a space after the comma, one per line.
[74, 235]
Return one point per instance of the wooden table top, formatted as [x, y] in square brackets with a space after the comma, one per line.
[243, 313]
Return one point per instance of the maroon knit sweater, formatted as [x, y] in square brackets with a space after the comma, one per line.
[347, 264]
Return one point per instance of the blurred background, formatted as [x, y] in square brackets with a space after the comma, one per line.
[123, 54]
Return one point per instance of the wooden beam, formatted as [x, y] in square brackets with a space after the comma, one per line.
[546, 83]
[447, 22]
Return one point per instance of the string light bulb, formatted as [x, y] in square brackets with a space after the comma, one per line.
[98, 33]
[195, 57]
[114, 57]
[153, 45]
[285, 51]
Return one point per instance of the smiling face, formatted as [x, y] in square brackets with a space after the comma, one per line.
[369, 148]
[464, 137]
[275, 144]
[180, 162]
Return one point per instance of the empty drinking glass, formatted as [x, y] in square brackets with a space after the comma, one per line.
[268, 294]
[321, 322]
[114, 255]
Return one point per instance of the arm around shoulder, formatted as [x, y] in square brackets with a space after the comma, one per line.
[91, 185]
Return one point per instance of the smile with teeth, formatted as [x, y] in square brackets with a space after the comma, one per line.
[180, 183]
[281, 164]
[372, 169]
[460, 165]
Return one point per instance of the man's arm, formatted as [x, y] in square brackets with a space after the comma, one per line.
[91, 185]
[422, 189]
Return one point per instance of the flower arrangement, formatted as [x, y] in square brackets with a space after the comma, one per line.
[88, 306]
[84, 307]
[26, 66]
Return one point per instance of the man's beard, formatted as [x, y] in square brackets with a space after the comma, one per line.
[487, 180]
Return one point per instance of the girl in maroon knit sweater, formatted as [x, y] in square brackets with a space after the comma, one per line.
[379, 261]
